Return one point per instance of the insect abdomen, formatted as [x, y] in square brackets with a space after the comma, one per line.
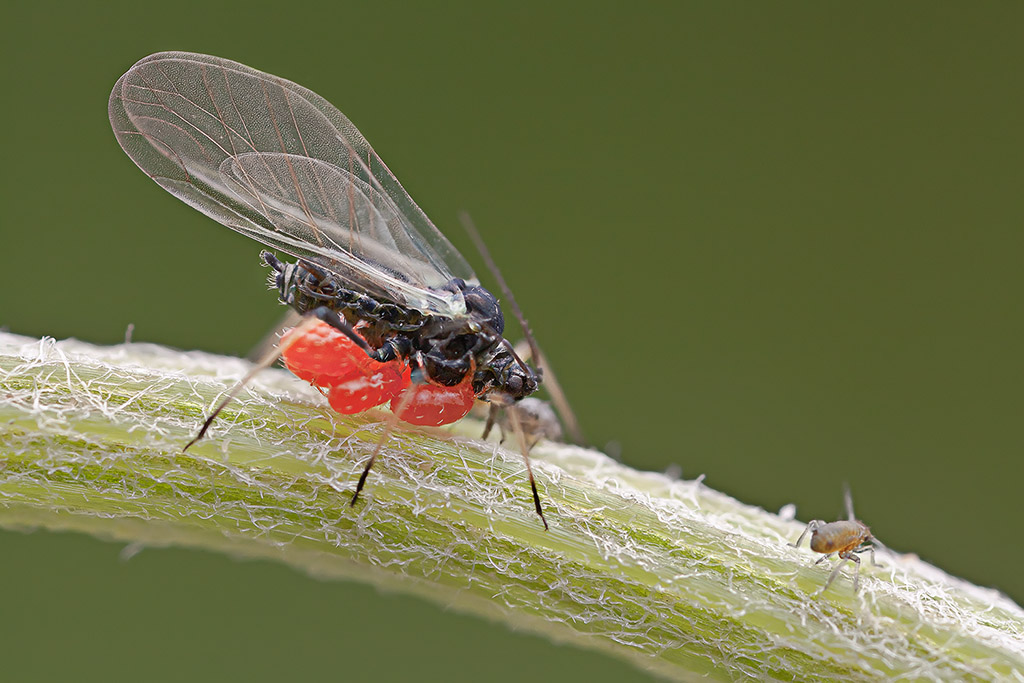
[836, 536]
[305, 287]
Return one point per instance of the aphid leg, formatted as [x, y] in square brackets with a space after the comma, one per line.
[536, 417]
[869, 549]
[856, 570]
[835, 573]
[337, 322]
[492, 416]
[273, 337]
[322, 313]
[823, 558]
[389, 427]
[521, 436]
[268, 360]
[812, 526]
[572, 425]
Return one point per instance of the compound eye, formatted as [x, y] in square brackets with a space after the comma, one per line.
[515, 384]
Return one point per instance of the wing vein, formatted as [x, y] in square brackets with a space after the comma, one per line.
[281, 165]
[324, 201]
[291, 167]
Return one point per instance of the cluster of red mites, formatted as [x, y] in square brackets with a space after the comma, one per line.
[354, 382]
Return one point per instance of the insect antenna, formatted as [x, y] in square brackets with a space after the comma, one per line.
[558, 396]
[848, 501]
[478, 241]
[512, 351]
[848, 498]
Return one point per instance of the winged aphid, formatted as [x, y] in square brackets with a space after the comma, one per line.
[391, 311]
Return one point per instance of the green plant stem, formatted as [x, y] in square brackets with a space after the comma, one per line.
[668, 574]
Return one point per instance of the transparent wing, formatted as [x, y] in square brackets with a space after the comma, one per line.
[279, 164]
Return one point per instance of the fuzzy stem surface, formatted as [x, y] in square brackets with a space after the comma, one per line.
[670, 575]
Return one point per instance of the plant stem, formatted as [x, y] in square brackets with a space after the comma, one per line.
[668, 574]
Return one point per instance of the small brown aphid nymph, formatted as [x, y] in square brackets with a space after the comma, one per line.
[843, 538]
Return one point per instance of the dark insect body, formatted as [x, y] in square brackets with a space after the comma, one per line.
[391, 311]
[444, 349]
[845, 538]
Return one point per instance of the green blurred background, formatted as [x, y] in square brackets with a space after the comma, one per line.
[777, 245]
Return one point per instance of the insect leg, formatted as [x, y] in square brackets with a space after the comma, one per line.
[812, 526]
[856, 571]
[823, 558]
[521, 436]
[290, 319]
[539, 420]
[869, 549]
[492, 416]
[389, 427]
[268, 360]
[321, 313]
[843, 557]
[389, 351]
[337, 322]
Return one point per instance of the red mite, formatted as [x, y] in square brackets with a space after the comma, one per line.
[354, 383]
[392, 312]
[843, 538]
